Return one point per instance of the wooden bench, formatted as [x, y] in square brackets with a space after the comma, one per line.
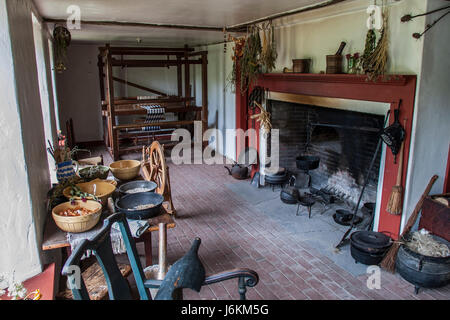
[95, 282]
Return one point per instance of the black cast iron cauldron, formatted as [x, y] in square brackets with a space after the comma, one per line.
[369, 247]
[307, 163]
[423, 271]
[128, 203]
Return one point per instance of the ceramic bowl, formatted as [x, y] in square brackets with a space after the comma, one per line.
[101, 189]
[125, 169]
[81, 223]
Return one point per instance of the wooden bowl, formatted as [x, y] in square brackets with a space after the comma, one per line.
[103, 190]
[77, 224]
[125, 169]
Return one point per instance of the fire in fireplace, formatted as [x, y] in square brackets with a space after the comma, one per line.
[344, 140]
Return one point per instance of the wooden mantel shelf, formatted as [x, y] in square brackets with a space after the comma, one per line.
[393, 79]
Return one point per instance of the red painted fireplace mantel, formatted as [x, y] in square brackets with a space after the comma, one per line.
[393, 90]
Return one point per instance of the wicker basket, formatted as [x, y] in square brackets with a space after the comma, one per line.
[125, 169]
[77, 224]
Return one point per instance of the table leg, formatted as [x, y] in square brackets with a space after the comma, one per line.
[147, 237]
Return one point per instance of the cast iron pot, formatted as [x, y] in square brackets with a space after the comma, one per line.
[126, 204]
[307, 163]
[369, 247]
[371, 241]
[366, 258]
[276, 179]
[344, 215]
[123, 189]
[423, 271]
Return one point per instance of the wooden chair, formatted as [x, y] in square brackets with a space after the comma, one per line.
[187, 272]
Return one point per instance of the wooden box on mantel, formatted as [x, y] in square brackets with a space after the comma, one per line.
[436, 216]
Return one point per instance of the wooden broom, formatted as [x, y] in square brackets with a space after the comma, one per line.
[395, 203]
[388, 261]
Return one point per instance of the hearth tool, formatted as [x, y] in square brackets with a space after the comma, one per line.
[344, 239]
[388, 262]
[394, 135]
[307, 162]
[289, 194]
[255, 180]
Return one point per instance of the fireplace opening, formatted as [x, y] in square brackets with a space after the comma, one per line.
[345, 141]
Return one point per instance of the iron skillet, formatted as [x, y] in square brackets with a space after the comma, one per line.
[128, 203]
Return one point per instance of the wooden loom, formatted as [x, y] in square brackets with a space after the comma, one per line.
[155, 169]
[116, 136]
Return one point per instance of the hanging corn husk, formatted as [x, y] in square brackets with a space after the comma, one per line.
[263, 118]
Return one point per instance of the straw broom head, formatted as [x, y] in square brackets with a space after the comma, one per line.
[395, 203]
[389, 259]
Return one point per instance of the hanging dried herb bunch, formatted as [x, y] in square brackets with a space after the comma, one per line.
[269, 52]
[237, 55]
[250, 62]
[62, 40]
[375, 65]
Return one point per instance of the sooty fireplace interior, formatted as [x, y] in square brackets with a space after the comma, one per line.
[344, 140]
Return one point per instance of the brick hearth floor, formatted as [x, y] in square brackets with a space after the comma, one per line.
[234, 235]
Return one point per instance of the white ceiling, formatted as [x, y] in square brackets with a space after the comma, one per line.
[205, 13]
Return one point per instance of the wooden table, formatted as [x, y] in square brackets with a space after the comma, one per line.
[55, 238]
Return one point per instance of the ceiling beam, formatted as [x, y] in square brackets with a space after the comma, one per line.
[145, 25]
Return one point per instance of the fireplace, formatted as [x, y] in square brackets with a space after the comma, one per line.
[393, 91]
[344, 140]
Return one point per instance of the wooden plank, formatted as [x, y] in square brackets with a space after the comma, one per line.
[121, 50]
[167, 144]
[152, 63]
[204, 96]
[159, 124]
[55, 238]
[138, 86]
[123, 102]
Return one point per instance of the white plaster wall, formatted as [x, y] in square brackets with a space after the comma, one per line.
[24, 167]
[319, 33]
[78, 92]
[431, 140]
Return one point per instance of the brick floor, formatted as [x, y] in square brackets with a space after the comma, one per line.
[234, 234]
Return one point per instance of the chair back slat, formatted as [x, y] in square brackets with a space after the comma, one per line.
[100, 244]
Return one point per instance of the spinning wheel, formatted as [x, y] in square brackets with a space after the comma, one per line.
[155, 169]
